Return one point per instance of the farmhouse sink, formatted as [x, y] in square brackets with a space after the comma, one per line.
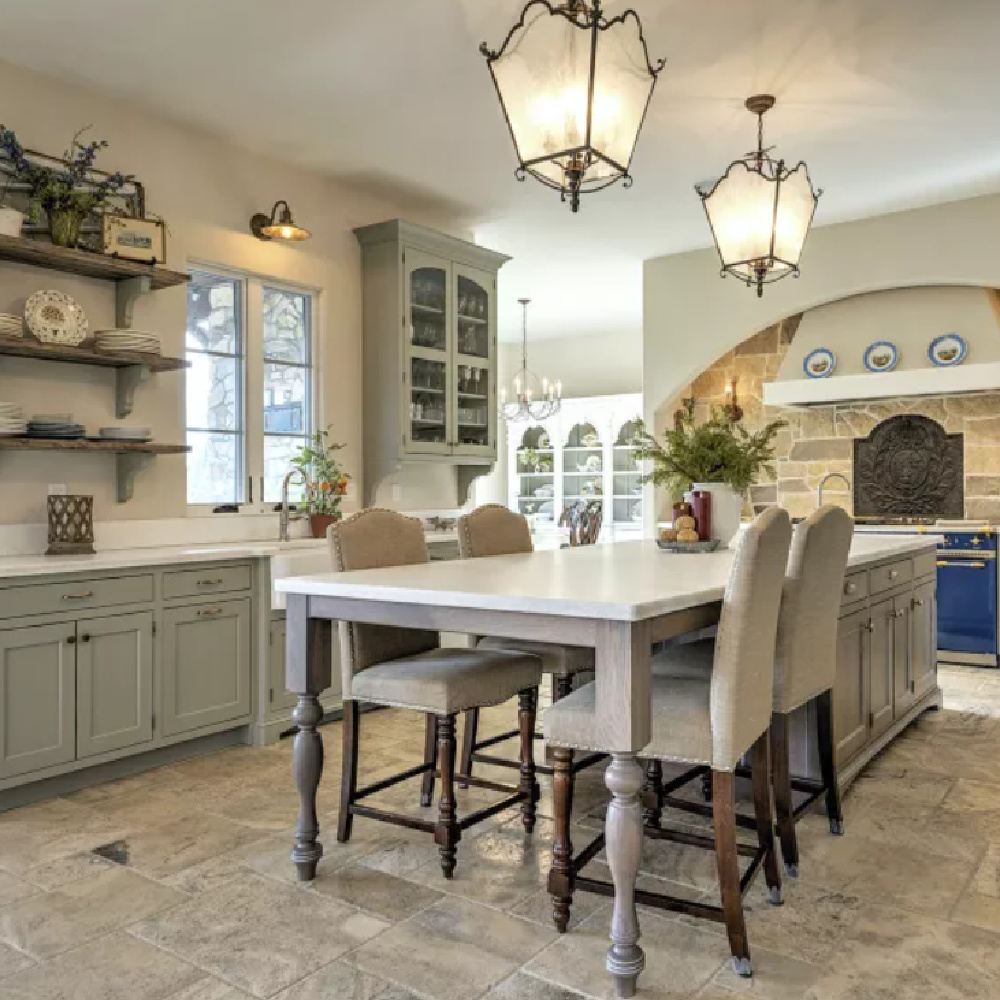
[299, 561]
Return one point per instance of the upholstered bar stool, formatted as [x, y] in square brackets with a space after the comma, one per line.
[495, 530]
[711, 719]
[805, 667]
[407, 668]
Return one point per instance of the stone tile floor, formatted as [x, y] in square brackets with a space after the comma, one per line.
[192, 895]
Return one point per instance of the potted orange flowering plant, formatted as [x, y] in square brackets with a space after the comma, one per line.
[326, 481]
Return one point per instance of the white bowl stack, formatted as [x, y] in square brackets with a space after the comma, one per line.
[132, 341]
[12, 420]
[142, 434]
[11, 326]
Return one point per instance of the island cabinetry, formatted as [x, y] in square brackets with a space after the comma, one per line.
[280, 699]
[851, 697]
[881, 667]
[206, 657]
[923, 637]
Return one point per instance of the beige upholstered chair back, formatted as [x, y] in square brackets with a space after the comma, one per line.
[743, 670]
[372, 539]
[493, 530]
[806, 657]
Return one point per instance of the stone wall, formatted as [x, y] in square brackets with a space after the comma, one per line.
[818, 440]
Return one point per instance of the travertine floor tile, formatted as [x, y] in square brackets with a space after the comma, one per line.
[776, 977]
[13, 889]
[521, 986]
[377, 892]
[259, 934]
[57, 921]
[11, 961]
[116, 967]
[336, 981]
[452, 951]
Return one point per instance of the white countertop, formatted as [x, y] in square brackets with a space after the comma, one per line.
[628, 581]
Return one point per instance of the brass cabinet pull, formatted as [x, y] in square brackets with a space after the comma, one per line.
[209, 612]
[870, 626]
[918, 602]
[893, 573]
[82, 596]
[85, 637]
[968, 563]
[850, 587]
[211, 582]
[71, 640]
[899, 613]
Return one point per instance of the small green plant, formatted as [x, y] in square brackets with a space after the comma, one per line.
[716, 451]
[326, 481]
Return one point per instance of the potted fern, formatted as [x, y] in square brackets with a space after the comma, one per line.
[719, 456]
[326, 481]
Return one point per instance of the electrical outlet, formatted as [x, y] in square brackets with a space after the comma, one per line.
[396, 492]
[58, 489]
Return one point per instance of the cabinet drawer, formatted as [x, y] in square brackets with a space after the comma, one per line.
[212, 580]
[855, 588]
[50, 598]
[887, 577]
[925, 565]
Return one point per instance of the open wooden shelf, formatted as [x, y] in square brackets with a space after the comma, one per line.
[129, 455]
[86, 263]
[86, 355]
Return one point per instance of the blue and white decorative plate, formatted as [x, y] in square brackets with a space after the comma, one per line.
[947, 350]
[881, 356]
[820, 363]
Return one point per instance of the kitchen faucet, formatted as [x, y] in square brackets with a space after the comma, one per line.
[825, 480]
[286, 516]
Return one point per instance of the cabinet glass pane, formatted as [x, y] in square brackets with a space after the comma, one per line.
[428, 328]
[473, 405]
[473, 318]
[536, 476]
[583, 465]
[428, 400]
[626, 475]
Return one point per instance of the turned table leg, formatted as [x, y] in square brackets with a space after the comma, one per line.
[624, 779]
[307, 673]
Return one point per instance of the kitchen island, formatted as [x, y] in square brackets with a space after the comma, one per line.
[620, 600]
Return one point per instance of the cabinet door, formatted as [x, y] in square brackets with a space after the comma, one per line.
[114, 683]
[923, 638]
[850, 690]
[881, 673]
[902, 655]
[429, 372]
[37, 697]
[281, 697]
[473, 401]
[206, 665]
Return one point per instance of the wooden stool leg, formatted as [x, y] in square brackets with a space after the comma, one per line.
[527, 702]
[652, 813]
[430, 756]
[827, 761]
[781, 779]
[724, 817]
[349, 768]
[561, 882]
[760, 775]
[447, 832]
[470, 736]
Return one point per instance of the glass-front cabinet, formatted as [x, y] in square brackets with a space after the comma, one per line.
[451, 344]
[626, 476]
[583, 464]
[534, 478]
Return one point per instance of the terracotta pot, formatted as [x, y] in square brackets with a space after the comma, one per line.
[64, 226]
[320, 522]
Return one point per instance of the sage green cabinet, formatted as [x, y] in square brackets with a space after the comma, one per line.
[114, 682]
[37, 697]
[206, 664]
[281, 697]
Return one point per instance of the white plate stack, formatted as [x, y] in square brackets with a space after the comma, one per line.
[11, 326]
[142, 434]
[132, 341]
[12, 420]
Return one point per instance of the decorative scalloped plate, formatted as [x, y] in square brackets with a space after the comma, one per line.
[820, 363]
[56, 318]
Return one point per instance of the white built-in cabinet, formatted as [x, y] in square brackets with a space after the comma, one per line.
[430, 352]
[584, 452]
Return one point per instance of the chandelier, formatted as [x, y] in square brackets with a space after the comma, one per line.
[760, 211]
[526, 396]
[574, 86]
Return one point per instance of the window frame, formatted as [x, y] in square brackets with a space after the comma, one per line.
[250, 449]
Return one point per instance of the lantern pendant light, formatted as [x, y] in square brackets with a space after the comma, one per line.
[526, 396]
[760, 211]
[574, 86]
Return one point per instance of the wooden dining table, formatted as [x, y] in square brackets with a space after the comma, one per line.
[619, 599]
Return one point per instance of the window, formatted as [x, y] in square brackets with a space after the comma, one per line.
[249, 388]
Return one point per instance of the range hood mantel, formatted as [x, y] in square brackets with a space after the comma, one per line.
[883, 385]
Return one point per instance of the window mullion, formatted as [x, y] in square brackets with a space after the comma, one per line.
[254, 405]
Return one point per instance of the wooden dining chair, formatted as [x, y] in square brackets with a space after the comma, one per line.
[710, 720]
[584, 519]
[495, 530]
[408, 668]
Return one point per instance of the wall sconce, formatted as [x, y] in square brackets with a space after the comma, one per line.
[277, 226]
[732, 406]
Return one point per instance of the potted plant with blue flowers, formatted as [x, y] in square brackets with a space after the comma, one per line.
[67, 192]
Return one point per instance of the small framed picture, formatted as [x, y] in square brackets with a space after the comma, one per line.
[135, 239]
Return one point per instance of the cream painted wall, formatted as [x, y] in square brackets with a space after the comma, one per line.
[908, 317]
[206, 190]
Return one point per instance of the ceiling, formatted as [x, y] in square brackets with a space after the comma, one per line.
[891, 102]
